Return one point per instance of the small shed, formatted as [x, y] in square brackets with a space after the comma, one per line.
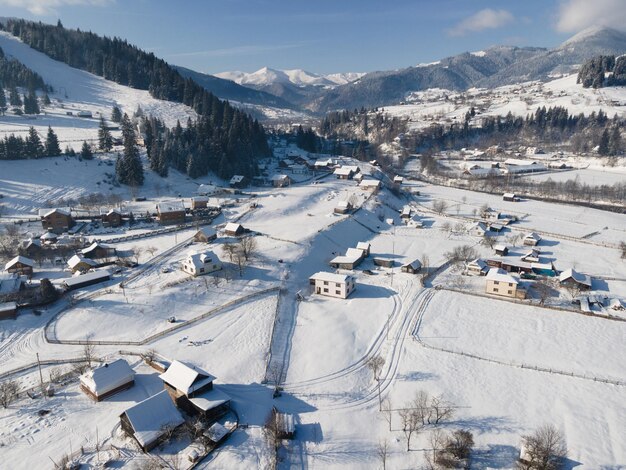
[510, 197]
[384, 262]
[285, 425]
[350, 260]
[343, 207]
[477, 267]
[199, 202]
[398, 179]
[478, 230]
[79, 263]
[205, 235]
[370, 185]
[107, 380]
[364, 247]
[501, 250]
[85, 280]
[8, 310]
[532, 239]
[216, 433]
[413, 267]
[233, 229]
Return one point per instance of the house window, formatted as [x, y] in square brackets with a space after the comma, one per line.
[201, 270]
[510, 284]
[495, 289]
[496, 282]
[338, 292]
[325, 290]
[510, 292]
[337, 284]
[325, 283]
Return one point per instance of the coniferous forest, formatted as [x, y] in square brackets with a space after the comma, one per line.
[603, 71]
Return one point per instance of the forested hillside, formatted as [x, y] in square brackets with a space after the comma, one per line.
[604, 70]
[117, 60]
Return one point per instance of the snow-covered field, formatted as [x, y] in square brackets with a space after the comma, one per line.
[588, 176]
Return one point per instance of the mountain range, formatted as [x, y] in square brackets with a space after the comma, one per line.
[496, 66]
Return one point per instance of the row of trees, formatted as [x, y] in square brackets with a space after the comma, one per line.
[14, 147]
[603, 70]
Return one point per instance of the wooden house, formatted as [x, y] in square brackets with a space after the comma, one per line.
[199, 202]
[510, 197]
[20, 265]
[31, 247]
[111, 218]
[57, 220]
[570, 277]
[384, 262]
[343, 207]
[149, 420]
[532, 239]
[199, 264]
[205, 235]
[98, 250]
[49, 238]
[191, 388]
[238, 181]
[501, 250]
[343, 173]
[8, 310]
[350, 260]
[281, 181]
[79, 263]
[171, 213]
[107, 380]
[365, 247]
[413, 267]
[233, 230]
[332, 285]
[370, 185]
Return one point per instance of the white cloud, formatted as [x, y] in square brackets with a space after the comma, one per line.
[575, 15]
[482, 20]
[48, 7]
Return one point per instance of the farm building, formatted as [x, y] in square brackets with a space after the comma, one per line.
[406, 212]
[332, 285]
[207, 190]
[148, 421]
[323, 164]
[192, 390]
[501, 250]
[285, 425]
[238, 181]
[413, 267]
[364, 247]
[569, 277]
[107, 380]
[199, 202]
[205, 235]
[491, 214]
[20, 265]
[343, 207]
[510, 197]
[98, 250]
[499, 282]
[216, 433]
[344, 173]
[49, 238]
[496, 227]
[350, 260]
[57, 220]
[477, 267]
[85, 280]
[415, 222]
[532, 239]
[358, 177]
[531, 256]
[8, 310]
[478, 230]
[281, 181]
[398, 179]
[112, 218]
[198, 264]
[171, 213]
[384, 262]
[370, 185]
[30, 247]
[80, 263]
[10, 284]
[233, 230]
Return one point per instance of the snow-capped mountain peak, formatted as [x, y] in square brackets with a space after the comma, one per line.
[267, 76]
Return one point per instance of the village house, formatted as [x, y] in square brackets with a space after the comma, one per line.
[332, 285]
[406, 212]
[350, 260]
[111, 218]
[199, 202]
[323, 164]
[192, 390]
[171, 213]
[479, 229]
[532, 239]
[98, 250]
[10, 285]
[499, 282]
[281, 181]
[57, 220]
[205, 235]
[370, 185]
[233, 230]
[415, 222]
[343, 173]
[477, 267]
[398, 179]
[343, 207]
[198, 264]
[86, 280]
[531, 256]
[107, 380]
[8, 310]
[20, 265]
[496, 227]
[570, 277]
[413, 267]
[510, 197]
[364, 247]
[80, 263]
[207, 190]
[238, 181]
[49, 238]
[501, 250]
[30, 248]
[358, 177]
[150, 420]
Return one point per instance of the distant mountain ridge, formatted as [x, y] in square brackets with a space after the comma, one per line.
[267, 76]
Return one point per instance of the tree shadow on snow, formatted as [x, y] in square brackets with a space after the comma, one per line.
[486, 424]
[494, 456]
[416, 376]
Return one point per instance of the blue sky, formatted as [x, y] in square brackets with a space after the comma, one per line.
[322, 36]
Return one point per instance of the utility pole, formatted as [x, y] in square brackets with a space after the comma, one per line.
[40, 376]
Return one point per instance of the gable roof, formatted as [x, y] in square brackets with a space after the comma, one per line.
[343, 171]
[65, 212]
[534, 236]
[77, 259]
[580, 278]
[500, 275]
[479, 263]
[108, 377]
[186, 378]
[237, 179]
[207, 231]
[363, 246]
[95, 246]
[150, 416]
[232, 227]
[331, 277]
[19, 259]
[200, 259]
[416, 264]
[172, 206]
[369, 184]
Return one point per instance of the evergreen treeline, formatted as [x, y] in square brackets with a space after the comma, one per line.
[374, 126]
[15, 74]
[307, 139]
[14, 147]
[115, 59]
[594, 72]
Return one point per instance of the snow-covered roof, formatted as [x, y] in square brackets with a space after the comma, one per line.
[49, 236]
[9, 283]
[232, 227]
[150, 416]
[331, 277]
[237, 179]
[94, 246]
[77, 259]
[89, 277]
[47, 212]
[509, 195]
[580, 278]
[416, 264]
[172, 206]
[211, 399]
[207, 189]
[525, 168]
[286, 422]
[616, 304]
[200, 259]
[200, 199]
[114, 211]
[108, 377]
[7, 307]
[369, 183]
[500, 275]
[324, 162]
[363, 246]
[208, 231]
[398, 179]
[19, 259]
[533, 236]
[406, 210]
[520, 162]
[186, 377]
[478, 263]
[343, 204]
[216, 432]
[500, 247]
[352, 256]
[343, 171]
[280, 177]
[479, 225]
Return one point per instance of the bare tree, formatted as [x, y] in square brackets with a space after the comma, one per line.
[387, 411]
[544, 449]
[440, 206]
[572, 289]
[136, 252]
[151, 250]
[382, 451]
[230, 249]
[488, 241]
[437, 441]
[446, 226]
[411, 423]
[441, 410]
[622, 249]
[543, 290]
[422, 406]
[375, 364]
[460, 444]
[247, 247]
[89, 350]
[461, 253]
[8, 392]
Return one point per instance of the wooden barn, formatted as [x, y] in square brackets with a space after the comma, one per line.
[57, 220]
[8, 310]
[413, 267]
[171, 213]
[199, 202]
[79, 263]
[205, 235]
[112, 218]
[107, 380]
[20, 265]
[233, 230]
[98, 250]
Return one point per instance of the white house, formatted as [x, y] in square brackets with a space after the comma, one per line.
[370, 185]
[415, 222]
[198, 264]
[500, 282]
[477, 267]
[478, 230]
[107, 380]
[332, 285]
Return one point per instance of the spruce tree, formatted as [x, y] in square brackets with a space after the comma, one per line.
[14, 97]
[603, 147]
[31, 104]
[128, 168]
[52, 144]
[69, 151]
[615, 141]
[45, 99]
[33, 147]
[116, 115]
[105, 141]
[3, 101]
[85, 151]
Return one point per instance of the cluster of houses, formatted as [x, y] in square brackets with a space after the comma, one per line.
[411, 218]
[493, 222]
[188, 391]
[352, 258]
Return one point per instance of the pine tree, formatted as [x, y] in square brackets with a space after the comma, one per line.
[14, 97]
[105, 141]
[52, 144]
[128, 168]
[3, 100]
[603, 147]
[615, 141]
[116, 115]
[85, 151]
[31, 104]
[33, 147]
[45, 99]
[69, 151]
